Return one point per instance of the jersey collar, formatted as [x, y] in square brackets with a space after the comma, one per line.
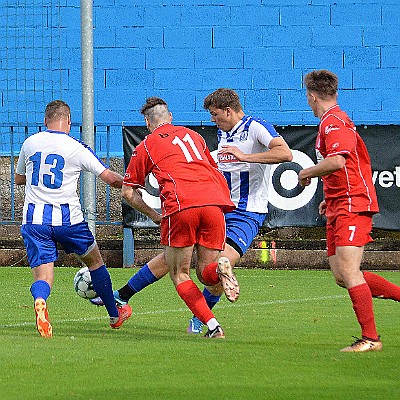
[58, 132]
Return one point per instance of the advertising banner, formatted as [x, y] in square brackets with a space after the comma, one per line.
[289, 203]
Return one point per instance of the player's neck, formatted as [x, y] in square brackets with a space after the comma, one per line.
[324, 107]
[59, 127]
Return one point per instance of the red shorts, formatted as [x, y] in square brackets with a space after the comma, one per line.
[203, 225]
[348, 229]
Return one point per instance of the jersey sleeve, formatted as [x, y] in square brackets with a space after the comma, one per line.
[88, 160]
[21, 165]
[138, 167]
[265, 132]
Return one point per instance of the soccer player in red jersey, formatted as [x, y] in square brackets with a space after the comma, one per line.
[349, 204]
[194, 196]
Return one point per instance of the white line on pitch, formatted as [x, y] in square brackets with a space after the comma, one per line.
[257, 303]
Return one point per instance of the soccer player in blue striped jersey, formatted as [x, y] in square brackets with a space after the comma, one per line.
[49, 166]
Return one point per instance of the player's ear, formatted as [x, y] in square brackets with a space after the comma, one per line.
[147, 123]
[170, 117]
[45, 122]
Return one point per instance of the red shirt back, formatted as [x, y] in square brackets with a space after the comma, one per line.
[184, 168]
[352, 185]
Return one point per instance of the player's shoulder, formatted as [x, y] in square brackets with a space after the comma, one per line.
[261, 125]
[336, 120]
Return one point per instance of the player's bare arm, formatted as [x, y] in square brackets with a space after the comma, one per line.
[324, 167]
[134, 199]
[112, 178]
[278, 152]
[20, 179]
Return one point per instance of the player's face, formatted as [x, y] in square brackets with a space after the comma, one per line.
[222, 118]
[312, 103]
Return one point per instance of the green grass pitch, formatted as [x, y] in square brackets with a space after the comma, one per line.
[282, 342]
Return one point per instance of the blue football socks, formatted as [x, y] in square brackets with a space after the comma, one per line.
[144, 277]
[40, 289]
[211, 299]
[103, 287]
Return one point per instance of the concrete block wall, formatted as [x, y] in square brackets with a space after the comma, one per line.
[184, 49]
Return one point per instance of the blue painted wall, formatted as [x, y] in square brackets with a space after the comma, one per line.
[183, 49]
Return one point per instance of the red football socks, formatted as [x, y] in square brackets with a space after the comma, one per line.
[362, 304]
[210, 275]
[382, 288]
[194, 299]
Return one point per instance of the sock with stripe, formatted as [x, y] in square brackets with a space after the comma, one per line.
[361, 298]
[194, 299]
[382, 288]
[103, 287]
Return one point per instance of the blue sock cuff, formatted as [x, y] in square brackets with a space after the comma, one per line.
[144, 277]
[211, 299]
[40, 289]
[99, 273]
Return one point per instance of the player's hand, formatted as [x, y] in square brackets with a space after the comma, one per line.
[303, 181]
[233, 150]
[157, 219]
[322, 207]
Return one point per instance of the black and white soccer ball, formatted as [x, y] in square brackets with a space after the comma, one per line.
[83, 284]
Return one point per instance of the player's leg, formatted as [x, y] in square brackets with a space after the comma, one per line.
[382, 288]
[179, 235]
[241, 229]
[41, 250]
[346, 236]
[79, 240]
[150, 273]
[43, 276]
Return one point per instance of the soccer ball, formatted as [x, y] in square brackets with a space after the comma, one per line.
[83, 284]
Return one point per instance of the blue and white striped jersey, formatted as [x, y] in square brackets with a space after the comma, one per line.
[52, 162]
[248, 182]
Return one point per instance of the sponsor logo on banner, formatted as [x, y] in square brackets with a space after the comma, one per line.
[285, 193]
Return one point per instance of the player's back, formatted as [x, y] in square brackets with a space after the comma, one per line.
[52, 162]
[184, 169]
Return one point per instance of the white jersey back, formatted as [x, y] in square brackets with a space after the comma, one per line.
[248, 182]
[52, 162]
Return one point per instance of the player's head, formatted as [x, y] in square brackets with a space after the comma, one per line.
[321, 89]
[58, 115]
[223, 98]
[322, 82]
[224, 107]
[155, 112]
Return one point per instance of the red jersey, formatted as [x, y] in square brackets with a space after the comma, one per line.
[185, 171]
[352, 185]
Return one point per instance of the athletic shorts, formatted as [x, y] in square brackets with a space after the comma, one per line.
[241, 229]
[348, 229]
[41, 241]
[203, 225]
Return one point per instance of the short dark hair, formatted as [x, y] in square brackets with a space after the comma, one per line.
[223, 98]
[56, 110]
[323, 82]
